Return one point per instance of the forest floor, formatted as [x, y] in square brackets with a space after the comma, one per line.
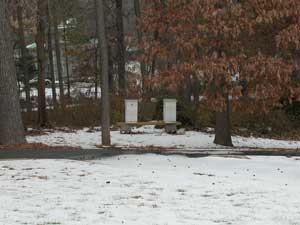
[151, 189]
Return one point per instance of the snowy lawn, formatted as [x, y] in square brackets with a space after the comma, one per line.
[151, 190]
[148, 136]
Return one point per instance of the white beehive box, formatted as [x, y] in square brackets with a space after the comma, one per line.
[131, 110]
[170, 108]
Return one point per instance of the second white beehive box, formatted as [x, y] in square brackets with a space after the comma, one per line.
[131, 110]
[170, 108]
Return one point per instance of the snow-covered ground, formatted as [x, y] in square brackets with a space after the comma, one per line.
[148, 136]
[151, 190]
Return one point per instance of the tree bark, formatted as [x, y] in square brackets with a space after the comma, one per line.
[223, 129]
[153, 63]
[105, 102]
[96, 71]
[67, 60]
[121, 47]
[41, 56]
[112, 83]
[11, 126]
[137, 9]
[97, 47]
[58, 57]
[25, 67]
[50, 56]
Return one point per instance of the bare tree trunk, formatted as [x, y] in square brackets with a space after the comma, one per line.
[153, 64]
[50, 56]
[97, 47]
[111, 81]
[58, 58]
[11, 126]
[223, 130]
[189, 91]
[25, 67]
[96, 72]
[41, 56]
[137, 9]
[121, 47]
[67, 60]
[105, 102]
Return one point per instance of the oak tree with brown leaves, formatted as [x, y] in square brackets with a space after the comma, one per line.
[244, 52]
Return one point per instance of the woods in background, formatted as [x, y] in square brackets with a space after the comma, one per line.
[229, 57]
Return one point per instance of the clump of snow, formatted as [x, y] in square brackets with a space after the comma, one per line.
[151, 189]
[149, 136]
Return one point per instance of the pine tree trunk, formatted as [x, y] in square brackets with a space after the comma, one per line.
[58, 58]
[153, 64]
[111, 81]
[11, 126]
[50, 56]
[121, 47]
[67, 60]
[137, 9]
[223, 129]
[96, 72]
[41, 57]
[25, 68]
[97, 48]
[105, 103]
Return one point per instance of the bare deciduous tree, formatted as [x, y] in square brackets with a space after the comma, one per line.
[105, 104]
[41, 57]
